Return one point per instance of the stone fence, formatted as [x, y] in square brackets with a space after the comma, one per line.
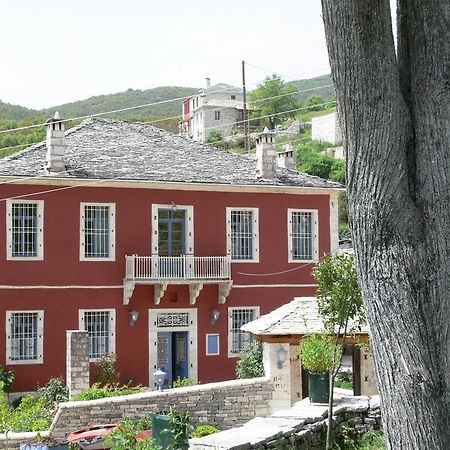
[225, 404]
[303, 426]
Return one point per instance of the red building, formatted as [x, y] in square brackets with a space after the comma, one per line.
[159, 246]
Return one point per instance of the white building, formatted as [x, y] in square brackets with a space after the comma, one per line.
[326, 129]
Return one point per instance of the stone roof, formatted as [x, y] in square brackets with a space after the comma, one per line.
[225, 103]
[222, 88]
[106, 149]
[298, 317]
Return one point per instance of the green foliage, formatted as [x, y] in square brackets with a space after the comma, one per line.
[312, 160]
[273, 96]
[338, 294]
[215, 138]
[96, 391]
[304, 87]
[316, 353]
[7, 378]
[124, 437]
[351, 440]
[344, 381]
[250, 362]
[204, 430]
[179, 430]
[183, 382]
[315, 103]
[105, 370]
[55, 391]
[31, 415]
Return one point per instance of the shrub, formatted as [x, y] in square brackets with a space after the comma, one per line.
[96, 391]
[316, 353]
[250, 363]
[124, 437]
[215, 138]
[31, 415]
[105, 370]
[183, 382]
[55, 391]
[7, 377]
[204, 430]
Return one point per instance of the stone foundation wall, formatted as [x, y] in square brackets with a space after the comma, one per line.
[227, 404]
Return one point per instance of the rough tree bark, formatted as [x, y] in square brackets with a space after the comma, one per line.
[395, 114]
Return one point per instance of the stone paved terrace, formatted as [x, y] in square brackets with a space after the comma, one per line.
[303, 425]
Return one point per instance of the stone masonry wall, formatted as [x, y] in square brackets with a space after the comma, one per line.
[77, 361]
[227, 404]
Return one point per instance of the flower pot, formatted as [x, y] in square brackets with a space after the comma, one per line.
[319, 387]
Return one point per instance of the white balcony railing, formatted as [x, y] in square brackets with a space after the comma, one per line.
[185, 267]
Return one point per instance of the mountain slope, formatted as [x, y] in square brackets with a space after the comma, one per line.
[326, 92]
[16, 112]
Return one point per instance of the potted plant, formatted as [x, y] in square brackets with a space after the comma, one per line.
[316, 355]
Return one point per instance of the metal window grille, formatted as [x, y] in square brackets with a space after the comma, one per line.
[96, 231]
[216, 115]
[170, 320]
[24, 229]
[302, 235]
[239, 338]
[96, 323]
[24, 336]
[241, 234]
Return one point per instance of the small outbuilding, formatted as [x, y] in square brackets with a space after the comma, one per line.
[281, 331]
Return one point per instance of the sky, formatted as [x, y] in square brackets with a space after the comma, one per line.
[57, 52]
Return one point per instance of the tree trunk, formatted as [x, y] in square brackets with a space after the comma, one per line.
[395, 117]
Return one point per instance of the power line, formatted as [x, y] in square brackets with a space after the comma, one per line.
[283, 75]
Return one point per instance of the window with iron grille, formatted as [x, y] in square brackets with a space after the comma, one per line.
[242, 234]
[24, 337]
[100, 324]
[303, 230]
[217, 115]
[237, 339]
[97, 231]
[25, 225]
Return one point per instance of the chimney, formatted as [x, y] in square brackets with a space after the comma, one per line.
[287, 159]
[56, 145]
[208, 83]
[265, 154]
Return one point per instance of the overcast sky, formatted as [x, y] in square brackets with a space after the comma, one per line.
[54, 52]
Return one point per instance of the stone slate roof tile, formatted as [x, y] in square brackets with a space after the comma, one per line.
[106, 149]
[298, 317]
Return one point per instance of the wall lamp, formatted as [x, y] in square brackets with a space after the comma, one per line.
[133, 317]
[215, 314]
[281, 356]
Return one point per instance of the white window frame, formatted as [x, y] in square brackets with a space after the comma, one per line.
[256, 310]
[39, 231]
[40, 338]
[112, 232]
[189, 238]
[218, 344]
[111, 330]
[255, 237]
[315, 235]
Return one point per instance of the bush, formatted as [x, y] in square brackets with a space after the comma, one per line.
[6, 378]
[96, 391]
[105, 370]
[55, 391]
[124, 437]
[183, 382]
[316, 353]
[250, 363]
[31, 415]
[204, 430]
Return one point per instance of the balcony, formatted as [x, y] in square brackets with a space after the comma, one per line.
[195, 271]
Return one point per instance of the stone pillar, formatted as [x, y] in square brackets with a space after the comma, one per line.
[368, 379]
[280, 377]
[266, 155]
[77, 361]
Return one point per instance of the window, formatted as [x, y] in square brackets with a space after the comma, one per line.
[212, 344]
[217, 115]
[242, 234]
[97, 231]
[302, 235]
[24, 337]
[236, 337]
[233, 97]
[101, 324]
[25, 221]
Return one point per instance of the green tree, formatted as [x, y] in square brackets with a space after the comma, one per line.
[315, 103]
[341, 308]
[274, 99]
[250, 362]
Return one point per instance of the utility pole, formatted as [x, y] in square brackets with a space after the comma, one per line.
[244, 95]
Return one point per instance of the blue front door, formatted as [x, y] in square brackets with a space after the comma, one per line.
[172, 354]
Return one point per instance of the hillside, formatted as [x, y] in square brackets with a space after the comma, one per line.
[327, 92]
[16, 112]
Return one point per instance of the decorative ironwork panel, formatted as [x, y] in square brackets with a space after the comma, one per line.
[172, 320]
